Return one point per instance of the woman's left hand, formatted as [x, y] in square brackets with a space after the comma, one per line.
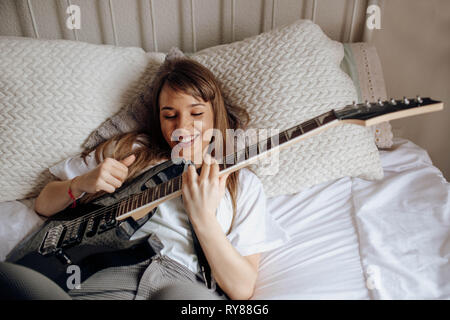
[203, 193]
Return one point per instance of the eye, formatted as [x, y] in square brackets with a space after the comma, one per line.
[169, 117]
[197, 114]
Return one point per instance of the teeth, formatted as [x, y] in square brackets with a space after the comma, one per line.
[188, 139]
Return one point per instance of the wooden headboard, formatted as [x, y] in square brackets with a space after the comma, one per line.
[191, 25]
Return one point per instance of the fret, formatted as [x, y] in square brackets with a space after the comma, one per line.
[123, 207]
[269, 143]
[159, 191]
[179, 182]
[308, 126]
[253, 150]
[134, 202]
[246, 152]
[283, 137]
[296, 132]
[139, 200]
[317, 122]
[301, 129]
[153, 193]
[119, 209]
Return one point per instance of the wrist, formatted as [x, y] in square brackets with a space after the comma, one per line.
[75, 187]
[206, 225]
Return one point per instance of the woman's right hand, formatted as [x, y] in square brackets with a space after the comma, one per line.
[107, 176]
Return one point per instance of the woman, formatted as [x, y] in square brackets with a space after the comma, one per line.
[226, 212]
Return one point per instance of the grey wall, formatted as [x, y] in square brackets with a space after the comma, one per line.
[414, 48]
[173, 20]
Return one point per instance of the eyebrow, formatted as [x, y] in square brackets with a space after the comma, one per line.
[191, 105]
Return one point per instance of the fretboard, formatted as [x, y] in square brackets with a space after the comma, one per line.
[232, 160]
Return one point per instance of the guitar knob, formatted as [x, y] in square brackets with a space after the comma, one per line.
[354, 105]
[393, 102]
[405, 101]
[367, 104]
[380, 103]
[419, 99]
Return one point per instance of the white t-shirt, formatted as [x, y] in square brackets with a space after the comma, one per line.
[254, 229]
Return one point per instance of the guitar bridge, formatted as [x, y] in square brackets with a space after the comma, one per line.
[51, 240]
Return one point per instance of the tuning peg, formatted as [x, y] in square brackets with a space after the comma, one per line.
[367, 103]
[393, 102]
[405, 101]
[419, 99]
[380, 103]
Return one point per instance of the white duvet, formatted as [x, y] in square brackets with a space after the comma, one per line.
[350, 238]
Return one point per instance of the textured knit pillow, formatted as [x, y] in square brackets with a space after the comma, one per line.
[284, 77]
[53, 94]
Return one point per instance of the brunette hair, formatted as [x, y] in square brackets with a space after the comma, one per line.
[184, 75]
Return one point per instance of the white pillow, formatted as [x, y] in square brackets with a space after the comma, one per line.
[283, 78]
[53, 94]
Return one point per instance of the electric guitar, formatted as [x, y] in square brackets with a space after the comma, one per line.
[104, 227]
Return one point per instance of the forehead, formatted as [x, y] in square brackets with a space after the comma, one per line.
[170, 98]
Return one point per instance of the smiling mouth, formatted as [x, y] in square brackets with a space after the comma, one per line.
[186, 142]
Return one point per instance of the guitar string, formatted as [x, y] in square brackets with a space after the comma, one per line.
[94, 214]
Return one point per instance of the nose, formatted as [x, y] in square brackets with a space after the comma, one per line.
[184, 126]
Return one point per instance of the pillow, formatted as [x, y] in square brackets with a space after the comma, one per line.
[362, 64]
[287, 76]
[53, 94]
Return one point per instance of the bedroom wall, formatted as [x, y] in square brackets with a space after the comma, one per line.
[414, 47]
[173, 20]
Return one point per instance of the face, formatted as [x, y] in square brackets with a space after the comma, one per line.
[186, 123]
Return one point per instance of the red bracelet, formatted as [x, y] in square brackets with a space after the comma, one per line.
[74, 203]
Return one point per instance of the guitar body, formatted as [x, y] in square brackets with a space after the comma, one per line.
[89, 235]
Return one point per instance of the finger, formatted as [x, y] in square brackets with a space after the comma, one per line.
[223, 179]
[106, 187]
[128, 160]
[119, 174]
[205, 167]
[214, 171]
[116, 183]
[192, 175]
[120, 165]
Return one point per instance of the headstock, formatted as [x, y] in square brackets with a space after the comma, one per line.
[371, 113]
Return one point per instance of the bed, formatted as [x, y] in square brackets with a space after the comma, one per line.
[351, 237]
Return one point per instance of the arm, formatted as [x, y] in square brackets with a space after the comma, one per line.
[108, 176]
[235, 273]
[54, 197]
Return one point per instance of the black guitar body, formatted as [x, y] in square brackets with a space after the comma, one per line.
[89, 236]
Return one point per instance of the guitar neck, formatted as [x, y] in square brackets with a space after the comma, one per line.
[140, 204]
[364, 114]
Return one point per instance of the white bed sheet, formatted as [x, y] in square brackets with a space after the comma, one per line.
[350, 238]
[358, 239]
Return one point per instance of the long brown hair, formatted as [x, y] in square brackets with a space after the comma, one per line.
[182, 75]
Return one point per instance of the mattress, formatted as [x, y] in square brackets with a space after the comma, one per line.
[349, 238]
